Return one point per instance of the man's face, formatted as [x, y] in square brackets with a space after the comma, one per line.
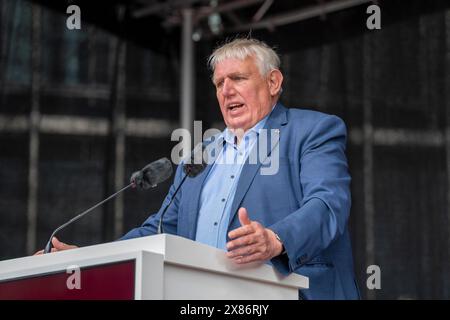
[245, 97]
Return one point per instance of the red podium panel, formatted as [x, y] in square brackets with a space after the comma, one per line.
[112, 281]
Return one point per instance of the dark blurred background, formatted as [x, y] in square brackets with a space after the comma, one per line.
[80, 110]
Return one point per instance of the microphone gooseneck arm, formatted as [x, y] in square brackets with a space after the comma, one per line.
[48, 247]
[160, 224]
[190, 170]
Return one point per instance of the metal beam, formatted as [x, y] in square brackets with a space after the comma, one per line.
[84, 126]
[163, 7]
[299, 15]
[226, 7]
[94, 91]
[159, 128]
[388, 137]
[262, 10]
[206, 11]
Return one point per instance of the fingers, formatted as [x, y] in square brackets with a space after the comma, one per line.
[58, 245]
[241, 241]
[240, 232]
[40, 252]
[250, 242]
[243, 217]
[244, 251]
[247, 259]
[248, 226]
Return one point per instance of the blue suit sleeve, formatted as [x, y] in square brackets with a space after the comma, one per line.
[150, 226]
[325, 207]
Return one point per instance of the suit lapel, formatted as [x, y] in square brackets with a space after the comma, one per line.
[277, 119]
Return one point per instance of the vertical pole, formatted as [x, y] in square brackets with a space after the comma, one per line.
[369, 207]
[119, 133]
[33, 174]
[447, 144]
[118, 127]
[187, 73]
[107, 219]
[115, 159]
[425, 245]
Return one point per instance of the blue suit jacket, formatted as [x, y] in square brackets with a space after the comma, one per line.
[307, 202]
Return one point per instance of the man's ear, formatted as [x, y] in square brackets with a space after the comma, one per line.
[275, 80]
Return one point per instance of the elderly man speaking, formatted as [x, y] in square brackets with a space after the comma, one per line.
[294, 218]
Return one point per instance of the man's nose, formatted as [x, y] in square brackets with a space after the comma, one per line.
[228, 88]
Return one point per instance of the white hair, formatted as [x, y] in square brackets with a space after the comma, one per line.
[266, 58]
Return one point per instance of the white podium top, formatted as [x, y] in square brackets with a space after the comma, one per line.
[175, 251]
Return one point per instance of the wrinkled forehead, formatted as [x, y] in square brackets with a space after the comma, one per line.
[235, 65]
[232, 54]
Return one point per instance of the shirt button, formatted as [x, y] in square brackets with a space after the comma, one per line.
[223, 199]
[215, 223]
[232, 176]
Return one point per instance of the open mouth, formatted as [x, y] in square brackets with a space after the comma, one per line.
[235, 106]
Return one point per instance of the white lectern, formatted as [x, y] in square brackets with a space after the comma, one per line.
[154, 267]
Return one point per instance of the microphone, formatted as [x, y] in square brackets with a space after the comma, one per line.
[191, 169]
[152, 174]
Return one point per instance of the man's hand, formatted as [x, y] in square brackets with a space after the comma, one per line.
[252, 242]
[57, 246]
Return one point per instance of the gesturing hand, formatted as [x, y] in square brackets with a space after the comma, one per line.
[252, 242]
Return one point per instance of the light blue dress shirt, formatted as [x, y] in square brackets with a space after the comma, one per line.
[220, 186]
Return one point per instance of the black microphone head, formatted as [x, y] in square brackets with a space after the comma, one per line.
[152, 174]
[193, 168]
[137, 179]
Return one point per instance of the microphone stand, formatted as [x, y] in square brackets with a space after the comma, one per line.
[48, 247]
[190, 171]
[160, 224]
